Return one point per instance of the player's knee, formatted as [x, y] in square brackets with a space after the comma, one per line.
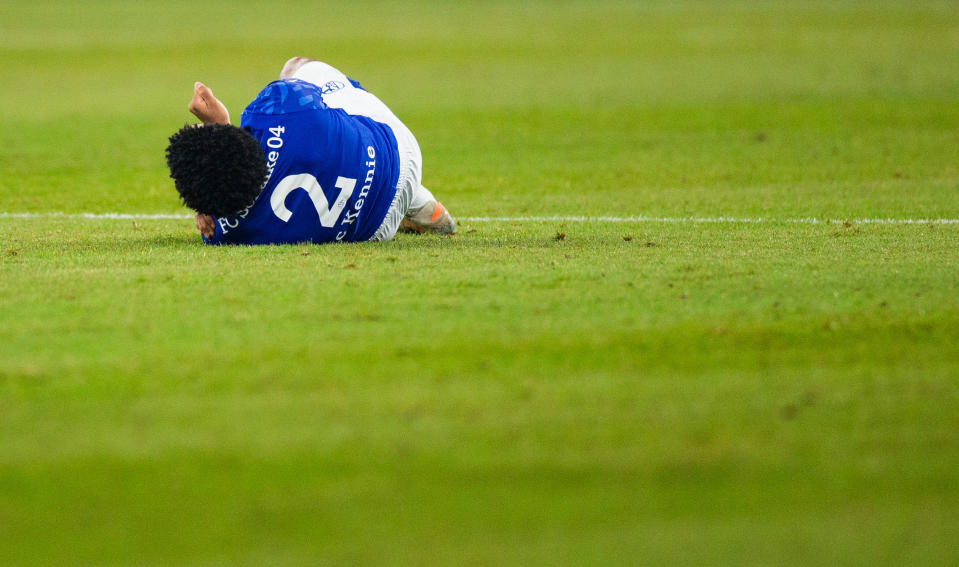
[292, 65]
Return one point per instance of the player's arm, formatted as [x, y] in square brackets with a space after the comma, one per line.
[206, 225]
[207, 107]
[209, 110]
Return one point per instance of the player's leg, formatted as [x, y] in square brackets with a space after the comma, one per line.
[313, 71]
[426, 214]
[293, 65]
[423, 213]
[414, 209]
[421, 197]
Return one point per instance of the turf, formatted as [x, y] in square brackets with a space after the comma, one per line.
[525, 392]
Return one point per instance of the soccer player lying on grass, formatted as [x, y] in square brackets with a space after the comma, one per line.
[316, 158]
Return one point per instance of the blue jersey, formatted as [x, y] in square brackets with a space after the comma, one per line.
[332, 175]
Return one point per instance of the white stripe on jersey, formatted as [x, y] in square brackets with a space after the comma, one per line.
[339, 92]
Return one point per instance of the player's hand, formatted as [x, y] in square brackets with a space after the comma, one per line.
[204, 223]
[207, 107]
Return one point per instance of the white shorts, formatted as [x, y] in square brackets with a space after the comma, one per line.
[362, 103]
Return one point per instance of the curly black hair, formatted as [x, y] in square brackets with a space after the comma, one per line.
[218, 169]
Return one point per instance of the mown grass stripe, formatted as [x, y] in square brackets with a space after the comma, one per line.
[548, 218]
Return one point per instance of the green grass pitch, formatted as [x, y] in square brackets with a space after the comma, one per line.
[527, 392]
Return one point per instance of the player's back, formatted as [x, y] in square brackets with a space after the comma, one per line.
[332, 174]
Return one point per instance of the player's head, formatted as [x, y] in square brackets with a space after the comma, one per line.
[218, 169]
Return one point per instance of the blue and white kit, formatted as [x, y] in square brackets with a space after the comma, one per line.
[342, 167]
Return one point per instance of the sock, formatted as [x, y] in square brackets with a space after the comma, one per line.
[421, 197]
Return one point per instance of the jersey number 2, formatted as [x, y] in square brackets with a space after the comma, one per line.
[328, 215]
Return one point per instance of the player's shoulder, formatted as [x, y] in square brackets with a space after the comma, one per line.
[286, 96]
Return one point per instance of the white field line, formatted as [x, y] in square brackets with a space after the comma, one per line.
[555, 218]
[134, 216]
[709, 220]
